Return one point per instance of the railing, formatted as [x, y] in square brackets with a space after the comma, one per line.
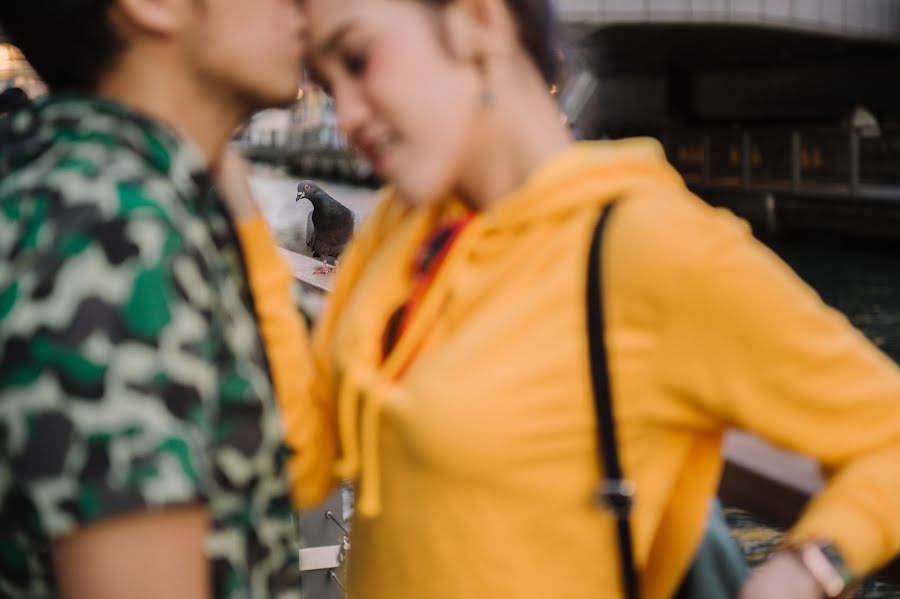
[829, 160]
[319, 151]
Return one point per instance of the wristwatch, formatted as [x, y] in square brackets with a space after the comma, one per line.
[827, 567]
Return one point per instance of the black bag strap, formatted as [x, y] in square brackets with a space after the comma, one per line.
[615, 494]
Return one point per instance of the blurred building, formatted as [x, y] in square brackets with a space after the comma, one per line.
[767, 105]
[16, 72]
[787, 112]
[305, 137]
[867, 18]
[746, 61]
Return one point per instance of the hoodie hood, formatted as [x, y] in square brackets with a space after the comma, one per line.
[21, 142]
[60, 127]
[587, 174]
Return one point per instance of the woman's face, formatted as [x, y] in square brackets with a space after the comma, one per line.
[406, 100]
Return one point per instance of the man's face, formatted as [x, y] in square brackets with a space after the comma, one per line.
[248, 50]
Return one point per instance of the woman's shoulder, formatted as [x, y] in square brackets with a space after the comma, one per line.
[662, 238]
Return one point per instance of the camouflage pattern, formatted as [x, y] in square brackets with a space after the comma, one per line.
[132, 376]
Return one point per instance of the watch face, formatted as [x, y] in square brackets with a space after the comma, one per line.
[834, 557]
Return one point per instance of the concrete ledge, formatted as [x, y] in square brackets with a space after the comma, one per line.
[303, 268]
[792, 470]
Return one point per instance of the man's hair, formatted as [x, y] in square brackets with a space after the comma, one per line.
[69, 43]
[12, 99]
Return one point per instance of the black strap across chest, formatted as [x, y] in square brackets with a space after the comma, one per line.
[615, 493]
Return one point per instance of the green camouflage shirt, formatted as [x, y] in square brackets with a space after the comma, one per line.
[132, 375]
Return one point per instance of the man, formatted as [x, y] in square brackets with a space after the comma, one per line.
[141, 444]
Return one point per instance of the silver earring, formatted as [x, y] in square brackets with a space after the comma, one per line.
[487, 97]
[487, 92]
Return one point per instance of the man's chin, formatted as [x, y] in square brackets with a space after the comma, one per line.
[257, 100]
[275, 92]
[283, 98]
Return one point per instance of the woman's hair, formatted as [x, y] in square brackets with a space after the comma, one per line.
[538, 34]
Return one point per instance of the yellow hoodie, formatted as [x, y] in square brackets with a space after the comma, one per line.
[474, 442]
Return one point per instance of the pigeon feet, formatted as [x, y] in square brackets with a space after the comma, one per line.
[324, 269]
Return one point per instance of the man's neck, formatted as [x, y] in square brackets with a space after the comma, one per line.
[178, 100]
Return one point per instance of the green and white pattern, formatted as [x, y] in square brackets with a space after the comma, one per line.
[132, 375]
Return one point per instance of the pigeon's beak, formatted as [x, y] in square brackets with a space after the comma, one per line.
[301, 196]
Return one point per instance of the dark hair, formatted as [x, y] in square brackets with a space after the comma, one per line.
[69, 43]
[538, 33]
[12, 99]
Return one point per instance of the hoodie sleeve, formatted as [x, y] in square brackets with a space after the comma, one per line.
[753, 346]
[301, 369]
[298, 375]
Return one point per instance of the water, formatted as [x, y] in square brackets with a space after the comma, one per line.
[861, 278]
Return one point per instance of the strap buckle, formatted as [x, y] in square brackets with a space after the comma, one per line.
[616, 496]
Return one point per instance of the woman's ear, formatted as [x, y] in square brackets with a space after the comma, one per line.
[479, 30]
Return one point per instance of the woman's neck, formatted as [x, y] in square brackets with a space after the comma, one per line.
[519, 133]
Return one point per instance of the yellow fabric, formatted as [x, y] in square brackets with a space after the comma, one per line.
[292, 365]
[476, 467]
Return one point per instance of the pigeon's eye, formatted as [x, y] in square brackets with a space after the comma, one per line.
[306, 188]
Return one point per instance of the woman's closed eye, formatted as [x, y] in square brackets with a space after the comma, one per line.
[355, 63]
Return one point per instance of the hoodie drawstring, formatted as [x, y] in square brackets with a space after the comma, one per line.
[364, 391]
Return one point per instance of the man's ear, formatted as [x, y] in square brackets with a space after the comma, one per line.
[153, 17]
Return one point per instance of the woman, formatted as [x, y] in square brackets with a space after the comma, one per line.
[449, 375]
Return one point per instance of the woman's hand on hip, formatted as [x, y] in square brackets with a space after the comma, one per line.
[782, 576]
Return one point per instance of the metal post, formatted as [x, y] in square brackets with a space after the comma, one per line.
[707, 157]
[324, 540]
[854, 162]
[745, 159]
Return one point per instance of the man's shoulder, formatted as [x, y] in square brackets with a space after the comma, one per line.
[88, 226]
[80, 184]
[95, 171]
[76, 152]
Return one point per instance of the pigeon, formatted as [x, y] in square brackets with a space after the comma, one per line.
[329, 226]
